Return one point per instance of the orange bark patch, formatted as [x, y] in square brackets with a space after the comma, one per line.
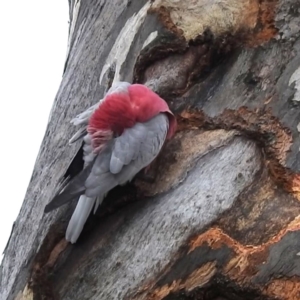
[196, 279]
[284, 289]
[165, 18]
[239, 267]
[242, 267]
[265, 29]
[252, 19]
[57, 250]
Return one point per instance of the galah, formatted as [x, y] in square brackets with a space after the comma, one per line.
[122, 134]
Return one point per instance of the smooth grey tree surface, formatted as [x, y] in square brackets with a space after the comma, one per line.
[220, 217]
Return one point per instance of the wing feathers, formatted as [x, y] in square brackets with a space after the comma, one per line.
[126, 155]
[116, 164]
[121, 159]
[78, 135]
[74, 189]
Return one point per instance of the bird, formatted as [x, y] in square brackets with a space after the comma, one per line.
[121, 135]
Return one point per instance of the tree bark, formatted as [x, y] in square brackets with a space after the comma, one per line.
[220, 219]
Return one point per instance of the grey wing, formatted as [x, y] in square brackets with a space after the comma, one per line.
[72, 188]
[146, 139]
[126, 155]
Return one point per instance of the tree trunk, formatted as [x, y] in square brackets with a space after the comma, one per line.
[220, 219]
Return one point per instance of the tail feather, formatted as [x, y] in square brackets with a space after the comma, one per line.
[99, 200]
[79, 217]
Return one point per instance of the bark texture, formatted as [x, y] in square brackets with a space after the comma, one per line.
[220, 219]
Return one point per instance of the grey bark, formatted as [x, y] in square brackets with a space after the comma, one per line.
[220, 218]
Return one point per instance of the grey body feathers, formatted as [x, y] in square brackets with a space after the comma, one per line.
[119, 161]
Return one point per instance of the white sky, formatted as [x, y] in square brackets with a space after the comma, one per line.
[32, 53]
